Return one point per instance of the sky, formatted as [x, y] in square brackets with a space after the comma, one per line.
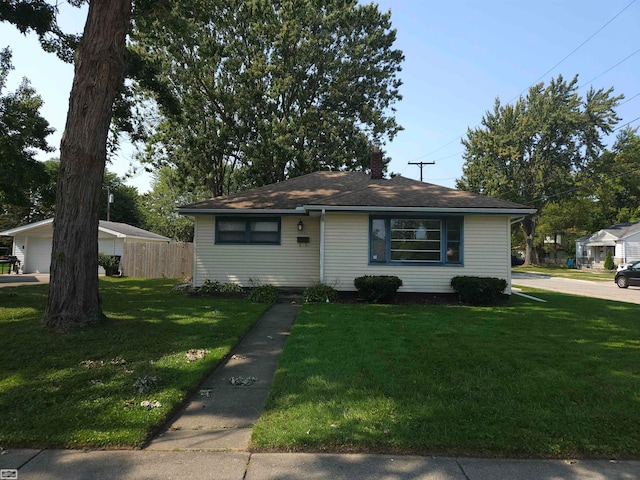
[459, 57]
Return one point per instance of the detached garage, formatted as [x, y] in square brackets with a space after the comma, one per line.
[32, 243]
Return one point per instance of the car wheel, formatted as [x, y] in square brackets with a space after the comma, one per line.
[622, 282]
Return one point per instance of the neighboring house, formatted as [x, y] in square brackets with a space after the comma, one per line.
[32, 243]
[332, 227]
[622, 240]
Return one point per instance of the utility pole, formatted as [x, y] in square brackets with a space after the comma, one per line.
[109, 202]
[422, 164]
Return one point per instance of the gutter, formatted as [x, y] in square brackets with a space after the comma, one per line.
[242, 211]
[369, 209]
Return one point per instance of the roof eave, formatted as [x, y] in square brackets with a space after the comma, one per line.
[13, 231]
[466, 210]
[242, 211]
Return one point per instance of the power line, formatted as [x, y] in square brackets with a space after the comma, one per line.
[575, 49]
[622, 126]
[609, 69]
[551, 69]
[629, 99]
[546, 197]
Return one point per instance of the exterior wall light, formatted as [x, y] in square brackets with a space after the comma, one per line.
[300, 226]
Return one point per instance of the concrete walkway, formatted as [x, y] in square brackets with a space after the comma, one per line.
[231, 400]
[208, 439]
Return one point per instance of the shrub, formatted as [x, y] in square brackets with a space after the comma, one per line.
[320, 292]
[608, 262]
[377, 288]
[478, 290]
[219, 287]
[263, 293]
[110, 263]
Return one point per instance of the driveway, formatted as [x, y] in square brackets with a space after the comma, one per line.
[605, 290]
[14, 280]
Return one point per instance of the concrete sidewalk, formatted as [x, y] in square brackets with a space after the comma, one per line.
[145, 464]
[208, 439]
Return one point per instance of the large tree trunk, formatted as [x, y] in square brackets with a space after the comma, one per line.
[74, 298]
[528, 226]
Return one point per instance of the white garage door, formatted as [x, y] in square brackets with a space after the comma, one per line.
[38, 255]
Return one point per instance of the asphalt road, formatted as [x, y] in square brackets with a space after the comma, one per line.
[605, 290]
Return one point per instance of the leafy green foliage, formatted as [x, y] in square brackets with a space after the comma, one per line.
[479, 290]
[270, 89]
[219, 287]
[608, 261]
[83, 389]
[377, 288]
[528, 152]
[160, 204]
[126, 207]
[108, 261]
[262, 293]
[23, 131]
[320, 292]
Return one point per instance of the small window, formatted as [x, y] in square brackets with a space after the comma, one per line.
[251, 231]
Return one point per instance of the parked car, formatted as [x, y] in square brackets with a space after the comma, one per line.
[628, 276]
[624, 266]
[515, 260]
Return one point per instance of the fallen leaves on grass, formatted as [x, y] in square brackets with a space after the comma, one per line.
[196, 354]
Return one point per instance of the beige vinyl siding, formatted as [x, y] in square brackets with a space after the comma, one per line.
[289, 264]
[486, 253]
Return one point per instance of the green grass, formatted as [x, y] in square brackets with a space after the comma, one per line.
[564, 272]
[559, 379]
[48, 398]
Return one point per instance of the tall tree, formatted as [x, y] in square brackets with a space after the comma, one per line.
[160, 205]
[23, 131]
[100, 66]
[614, 180]
[276, 88]
[529, 152]
[126, 206]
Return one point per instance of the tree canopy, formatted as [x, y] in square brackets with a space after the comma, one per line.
[530, 151]
[23, 132]
[273, 89]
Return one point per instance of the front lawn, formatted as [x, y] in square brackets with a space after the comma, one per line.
[559, 379]
[86, 388]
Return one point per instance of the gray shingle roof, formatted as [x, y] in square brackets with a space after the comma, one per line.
[131, 231]
[350, 189]
[623, 229]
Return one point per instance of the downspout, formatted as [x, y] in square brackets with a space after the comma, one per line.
[509, 223]
[195, 253]
[322, 246]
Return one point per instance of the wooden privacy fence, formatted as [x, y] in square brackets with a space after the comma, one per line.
[157, 260]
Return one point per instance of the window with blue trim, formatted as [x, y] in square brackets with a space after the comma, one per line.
[416, 240]
[264, 231]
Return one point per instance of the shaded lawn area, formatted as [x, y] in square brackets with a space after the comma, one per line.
[49, 398]
[559, 379]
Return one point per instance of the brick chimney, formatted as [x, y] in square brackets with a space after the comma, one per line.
[376, 164]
